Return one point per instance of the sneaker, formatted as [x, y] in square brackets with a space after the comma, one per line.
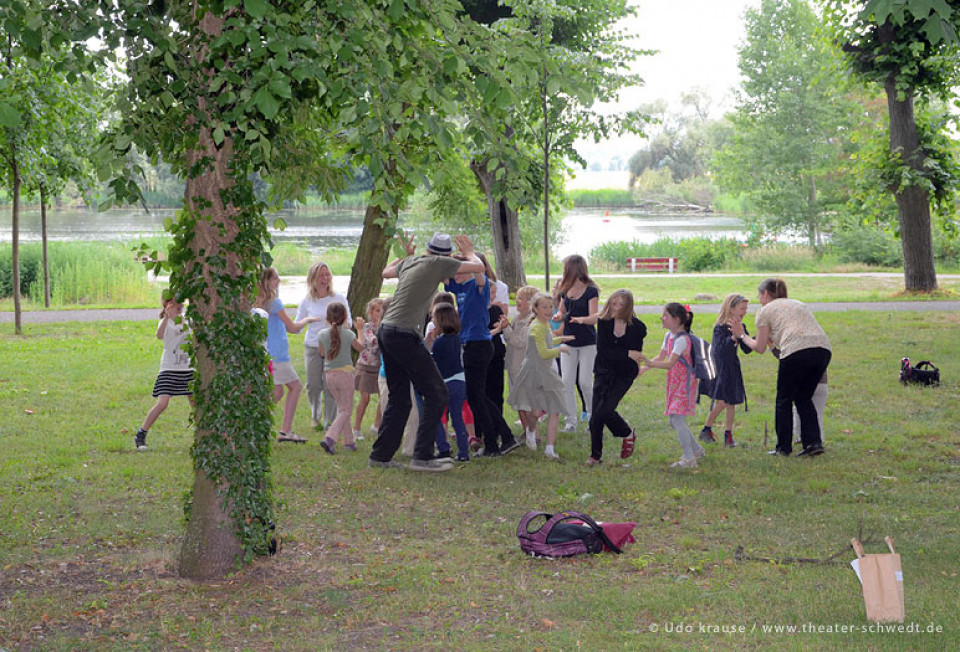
[328, 445]
[592, 461]
[532, 440]
[442, 456]
[552, 455]
[389, 464]
[777, 451]
[728, 439]
[699, 454]
[358, 435]
[431, 466]
[140, 440]
[463, 458]
[706, 435]
[475, 444]
[375, 430]
[584, 416]
[509, 448]
[484, 453]
[685, 463]
[351, 447]
[812, 451]
[570, 427]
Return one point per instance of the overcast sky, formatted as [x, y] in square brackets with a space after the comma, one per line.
[697, 42]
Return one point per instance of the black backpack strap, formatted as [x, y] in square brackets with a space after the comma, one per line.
[596, 528]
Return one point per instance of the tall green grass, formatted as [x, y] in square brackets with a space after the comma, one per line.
[351, 200]
[80, 273]
[600, 198]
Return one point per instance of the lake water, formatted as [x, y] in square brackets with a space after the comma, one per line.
[322, 229]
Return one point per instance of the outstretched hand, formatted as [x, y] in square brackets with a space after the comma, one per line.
[406, 241]
[464, 245]
[358, 323]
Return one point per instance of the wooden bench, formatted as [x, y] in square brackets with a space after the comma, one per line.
[653, 264]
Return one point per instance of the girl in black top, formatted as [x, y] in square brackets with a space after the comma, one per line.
[619, 333]
[578, 312]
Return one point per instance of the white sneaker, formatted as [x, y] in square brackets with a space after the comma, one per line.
[570, 427]
[358, 435]
[375, 430]
[551, 455]
[685, 463]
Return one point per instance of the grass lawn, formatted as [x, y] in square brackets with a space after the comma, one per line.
[90, 529]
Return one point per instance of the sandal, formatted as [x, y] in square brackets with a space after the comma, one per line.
[626, 449]
[295, 438]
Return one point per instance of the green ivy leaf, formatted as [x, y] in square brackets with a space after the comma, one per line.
[9, 116]
[267, 104]
[256, 8]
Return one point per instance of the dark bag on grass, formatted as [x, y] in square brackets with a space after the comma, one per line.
[556, 537]
[922, 374]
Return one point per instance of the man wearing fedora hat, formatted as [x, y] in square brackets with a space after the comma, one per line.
[405, 358]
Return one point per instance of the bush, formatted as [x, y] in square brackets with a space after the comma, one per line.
[31, 270]
[868, 245]
[696, 254]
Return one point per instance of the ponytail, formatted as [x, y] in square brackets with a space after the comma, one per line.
[336, 316]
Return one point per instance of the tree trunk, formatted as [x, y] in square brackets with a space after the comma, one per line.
[211, 546]
[372, 254]
[913, 202]
[15, 241]
[505, 226]
[43, 237]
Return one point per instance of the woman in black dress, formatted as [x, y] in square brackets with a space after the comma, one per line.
[727, 389]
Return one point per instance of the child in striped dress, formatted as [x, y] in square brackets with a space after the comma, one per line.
[175, 372]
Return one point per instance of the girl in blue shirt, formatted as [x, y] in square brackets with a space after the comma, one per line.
[278, 325]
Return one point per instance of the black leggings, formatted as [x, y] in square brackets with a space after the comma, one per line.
[609, 388]
[797, 378]
[488, 420]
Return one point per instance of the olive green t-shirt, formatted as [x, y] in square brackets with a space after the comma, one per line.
[417, 281]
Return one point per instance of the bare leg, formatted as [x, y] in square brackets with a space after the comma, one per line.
[290, 406]
[718, 407]
[728, 418]
[361, 409]
[552, 422]
[162, 401]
